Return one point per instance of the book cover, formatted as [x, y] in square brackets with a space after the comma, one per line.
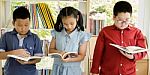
[130, 49]
[24, 58]
[66, 55]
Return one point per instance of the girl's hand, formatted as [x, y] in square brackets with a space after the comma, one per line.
[66, 60]
[62, 52]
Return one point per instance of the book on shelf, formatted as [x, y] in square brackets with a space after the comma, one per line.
[130, 49]
[66, 55]
[24, 58]
[95, 26]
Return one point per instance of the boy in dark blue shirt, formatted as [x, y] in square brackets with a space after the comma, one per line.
[21, 42]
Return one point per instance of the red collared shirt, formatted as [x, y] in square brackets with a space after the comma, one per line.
[109, 59]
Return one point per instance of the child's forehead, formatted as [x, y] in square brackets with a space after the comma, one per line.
[123, 15]
[21, 20]
[70, 16]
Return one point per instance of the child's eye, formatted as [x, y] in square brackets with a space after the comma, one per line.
[64, 24]
[26, 25]
[19, 25]
[72, 23]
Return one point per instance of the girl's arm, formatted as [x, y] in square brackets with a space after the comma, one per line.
[52, 47]
[81, 54]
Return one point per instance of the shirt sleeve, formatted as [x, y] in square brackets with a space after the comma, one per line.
[38, 47]
[141, 42]
[98, 51]
[3, 43]
[53, 33]
[86, 37]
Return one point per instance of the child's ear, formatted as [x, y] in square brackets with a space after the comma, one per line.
[13, 22]
[114, 17]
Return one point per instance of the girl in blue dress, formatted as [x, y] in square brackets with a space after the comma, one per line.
[68, 36]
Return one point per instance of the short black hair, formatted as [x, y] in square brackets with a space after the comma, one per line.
[122, 6]
[21, 13]
[69, 11]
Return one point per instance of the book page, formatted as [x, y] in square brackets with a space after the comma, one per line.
[55, 54]
[136, 49]
[64, 56]
[70, 55]
[130, 49]
[24, 58]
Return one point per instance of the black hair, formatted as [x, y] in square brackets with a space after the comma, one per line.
[69, 11]
[21, 13]
[122, 6]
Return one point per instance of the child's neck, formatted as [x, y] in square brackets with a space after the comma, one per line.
[69, 31]
[22, 35]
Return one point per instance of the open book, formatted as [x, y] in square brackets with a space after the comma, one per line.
[66, 55]
[130, 49]
[24, 58]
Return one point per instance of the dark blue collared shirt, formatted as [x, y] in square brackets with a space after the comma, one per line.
[10, 41]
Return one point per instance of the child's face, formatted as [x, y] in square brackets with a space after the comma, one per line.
[22, 26]
[69, 23]
[122, 20]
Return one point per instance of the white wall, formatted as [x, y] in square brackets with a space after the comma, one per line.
[144, 20]
[2, 13]
[144, 17]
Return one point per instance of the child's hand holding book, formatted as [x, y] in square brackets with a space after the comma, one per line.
[130, 49]
[128, 55]
[65, 55]
[20, 52]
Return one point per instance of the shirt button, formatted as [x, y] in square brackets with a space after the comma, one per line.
[120, 64]
[120, 74]
[122, 42]
[121, 32]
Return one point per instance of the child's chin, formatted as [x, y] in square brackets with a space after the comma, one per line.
[122, 27]
[22, 33]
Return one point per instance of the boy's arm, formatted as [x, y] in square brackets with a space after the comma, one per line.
[3, 55]
[37, 52]
[22, 52]
[29, 62]
[4, 52]
[98, 51]
[141, 42]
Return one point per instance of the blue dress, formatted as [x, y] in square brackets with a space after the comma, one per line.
[68, 43]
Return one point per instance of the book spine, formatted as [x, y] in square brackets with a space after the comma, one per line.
[97, 27]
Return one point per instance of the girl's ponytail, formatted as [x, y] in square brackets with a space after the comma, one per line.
[80, 21]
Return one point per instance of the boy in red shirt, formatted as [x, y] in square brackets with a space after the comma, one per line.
[108, 60]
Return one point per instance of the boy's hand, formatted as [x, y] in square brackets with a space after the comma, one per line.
[21, 52]
[22, 62]
[29, 62]
[128, 55]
